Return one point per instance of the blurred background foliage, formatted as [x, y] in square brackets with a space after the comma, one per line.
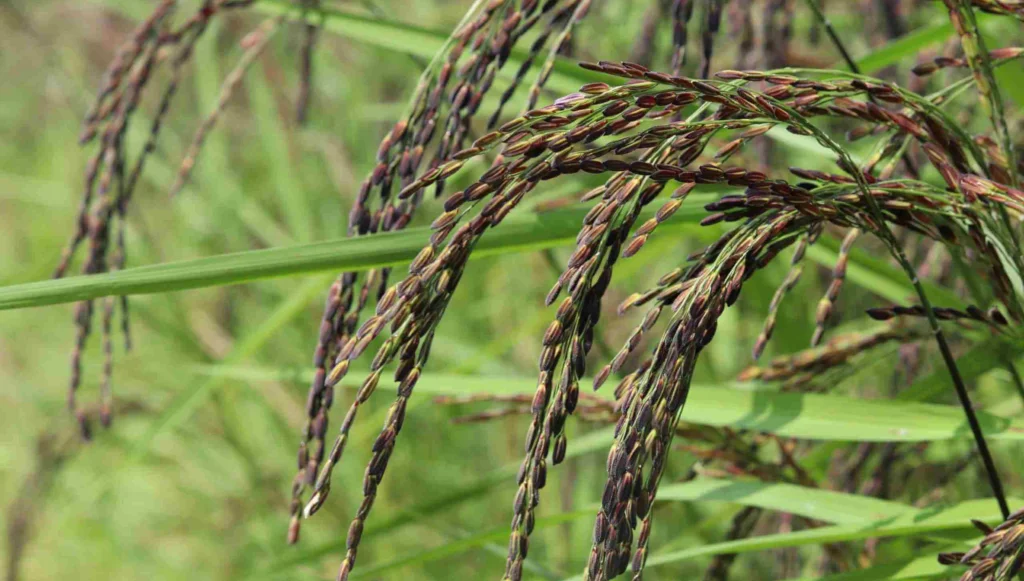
[193, 479]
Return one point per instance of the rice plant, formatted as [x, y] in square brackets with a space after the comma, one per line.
[918, 168]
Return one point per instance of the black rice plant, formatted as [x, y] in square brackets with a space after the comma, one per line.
[931, 194]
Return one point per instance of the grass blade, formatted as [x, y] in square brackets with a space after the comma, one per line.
[820, 504]
[807, 416]
[955, 518]
[906, 570]
[566, 76]
[908, 45]
[530, 232]
[824, 505]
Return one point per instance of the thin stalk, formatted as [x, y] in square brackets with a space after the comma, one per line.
[852, 65]
[947, 356]
[827, 24]
[886, 235]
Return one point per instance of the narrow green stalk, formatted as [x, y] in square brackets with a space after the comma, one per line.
[827, 24]
[947, 356]
[890, 240]
[854, 68]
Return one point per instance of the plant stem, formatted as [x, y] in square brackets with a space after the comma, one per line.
[824, 21]
[852, 65]
[972, 419]
[947, 356]
[881, 229]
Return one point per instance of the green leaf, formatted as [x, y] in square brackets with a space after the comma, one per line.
[824, 505]
[905, 570]
[566, 76]
[859, 517]
[526, 232]
[794, 415]
[374, 570]
[813, 503]
[908, 45]
[955, 518]
[905, 46]
[369, 30]
[518, 234]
